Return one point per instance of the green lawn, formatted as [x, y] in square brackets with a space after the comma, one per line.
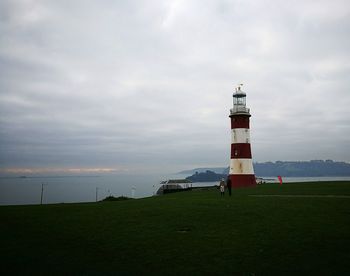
[191, 233]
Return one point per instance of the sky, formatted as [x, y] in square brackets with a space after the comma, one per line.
[146, 86]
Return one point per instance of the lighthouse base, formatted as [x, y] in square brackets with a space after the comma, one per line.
[242, 180]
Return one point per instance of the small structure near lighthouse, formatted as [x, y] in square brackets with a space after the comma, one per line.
[241, 166]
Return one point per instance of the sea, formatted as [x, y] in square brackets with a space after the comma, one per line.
[88, 188]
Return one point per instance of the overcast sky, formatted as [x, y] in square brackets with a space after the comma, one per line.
[137, 86]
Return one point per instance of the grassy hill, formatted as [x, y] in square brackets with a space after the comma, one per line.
[295, 228]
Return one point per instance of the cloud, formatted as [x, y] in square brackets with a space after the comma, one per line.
[143, 84]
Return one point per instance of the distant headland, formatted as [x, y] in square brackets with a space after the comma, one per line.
[313, 168]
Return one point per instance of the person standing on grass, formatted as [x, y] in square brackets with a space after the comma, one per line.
[222, 187]
[229, 185]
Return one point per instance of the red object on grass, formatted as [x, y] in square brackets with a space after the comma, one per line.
[280, 179]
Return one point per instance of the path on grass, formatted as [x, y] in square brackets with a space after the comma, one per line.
[312, 196]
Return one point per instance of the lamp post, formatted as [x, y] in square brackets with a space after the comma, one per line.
[42, 193]
[133, 189]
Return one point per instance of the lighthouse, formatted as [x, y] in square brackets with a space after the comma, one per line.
[241, 166]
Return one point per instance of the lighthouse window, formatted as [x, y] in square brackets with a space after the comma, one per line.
[241, 101]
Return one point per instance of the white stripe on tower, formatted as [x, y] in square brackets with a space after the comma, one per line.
[240, 135]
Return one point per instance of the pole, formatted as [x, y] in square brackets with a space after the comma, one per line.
[42, 191]
[96, 193]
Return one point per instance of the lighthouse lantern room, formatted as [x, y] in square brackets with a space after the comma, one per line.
[241, 166]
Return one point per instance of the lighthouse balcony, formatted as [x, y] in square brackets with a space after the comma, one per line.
[239, 110]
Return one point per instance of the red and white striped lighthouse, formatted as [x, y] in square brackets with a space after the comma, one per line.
[241, 165]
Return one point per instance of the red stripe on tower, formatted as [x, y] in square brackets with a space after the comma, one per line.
[241, 165]
[240, 151]
[239, 122]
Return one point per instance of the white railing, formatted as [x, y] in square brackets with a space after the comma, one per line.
[239, 109]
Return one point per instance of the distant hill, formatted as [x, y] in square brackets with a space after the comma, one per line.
[207, 176]
[303, 168]
[313, 168]
[218, 170]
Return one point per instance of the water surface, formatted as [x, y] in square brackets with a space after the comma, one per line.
[70, 189]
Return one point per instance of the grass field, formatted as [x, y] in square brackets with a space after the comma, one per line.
[191, 233]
